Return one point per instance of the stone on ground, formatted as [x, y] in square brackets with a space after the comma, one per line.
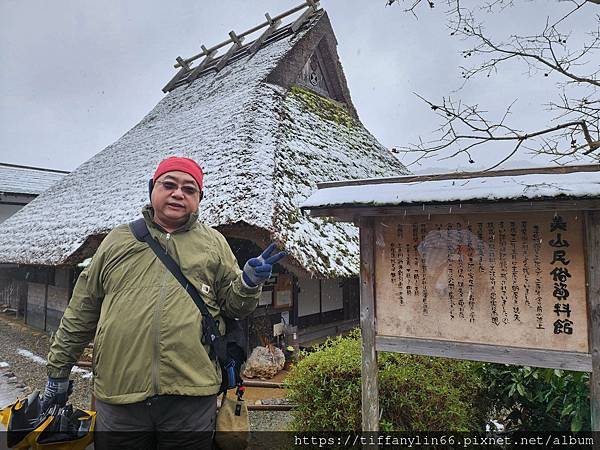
[264, 363]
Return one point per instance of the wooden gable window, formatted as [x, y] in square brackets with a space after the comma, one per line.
[313, 76]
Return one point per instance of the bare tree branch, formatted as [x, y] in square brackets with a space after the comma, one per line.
[510, 155]
[464, 123]
[464, 128]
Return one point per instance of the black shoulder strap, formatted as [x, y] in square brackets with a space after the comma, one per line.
[142, 234]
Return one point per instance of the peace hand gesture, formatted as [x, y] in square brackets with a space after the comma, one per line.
[258, 270]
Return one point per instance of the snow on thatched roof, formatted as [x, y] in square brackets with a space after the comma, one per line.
[16, 179]
[343, 150]
[264, 147]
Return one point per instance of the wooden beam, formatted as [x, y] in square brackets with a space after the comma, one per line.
[592, 244]
[46, 299]
[263, 384]
[312, 7]
[482, 352]
[263, 37]
[178, 76]
[195, 73]
[462, 175]
[237, 40]
[351, 214]
[369, 369]
[252, 30]
[237, 44]
[271, 407]
[183, 64]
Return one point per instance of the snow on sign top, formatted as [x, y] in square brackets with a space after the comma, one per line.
[531, 186]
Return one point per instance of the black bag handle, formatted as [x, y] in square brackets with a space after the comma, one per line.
[140, 231]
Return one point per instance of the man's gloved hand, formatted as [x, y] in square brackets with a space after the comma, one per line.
[57, 392]
[258, 270]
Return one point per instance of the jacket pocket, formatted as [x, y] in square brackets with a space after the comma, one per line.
[97, 350]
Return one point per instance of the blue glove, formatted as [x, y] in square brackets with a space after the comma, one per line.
[258, 270]
[57, 392]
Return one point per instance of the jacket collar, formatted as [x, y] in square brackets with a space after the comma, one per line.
[148, 213]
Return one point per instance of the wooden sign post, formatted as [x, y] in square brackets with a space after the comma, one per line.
[592, 234]
[506, 281]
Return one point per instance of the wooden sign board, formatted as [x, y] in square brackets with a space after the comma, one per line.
[511, 280]
[283, 291]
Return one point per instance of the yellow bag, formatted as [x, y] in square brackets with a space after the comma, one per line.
[58, 428]
[233, 425]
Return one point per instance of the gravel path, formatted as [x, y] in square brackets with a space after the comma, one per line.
[269, 420]
[24, 348]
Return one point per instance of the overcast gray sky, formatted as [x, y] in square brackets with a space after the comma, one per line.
[77, 74]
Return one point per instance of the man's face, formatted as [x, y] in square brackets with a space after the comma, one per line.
[172, 206]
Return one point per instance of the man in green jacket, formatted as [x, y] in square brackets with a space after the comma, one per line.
[151, 370]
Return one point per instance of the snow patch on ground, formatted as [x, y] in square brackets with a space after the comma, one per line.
[31, 356]
[38, 359]
[84, 373]
[4, 364]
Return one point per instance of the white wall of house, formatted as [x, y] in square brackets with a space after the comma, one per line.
[308, 297]
[332, 295]
[319, 296]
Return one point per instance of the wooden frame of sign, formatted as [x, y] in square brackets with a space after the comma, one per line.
[508, 282]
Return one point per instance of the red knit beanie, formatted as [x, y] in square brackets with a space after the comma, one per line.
[182, 164]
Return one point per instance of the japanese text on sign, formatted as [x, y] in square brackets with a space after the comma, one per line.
[511, 279]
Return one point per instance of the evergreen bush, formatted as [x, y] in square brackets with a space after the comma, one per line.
[416, 393]
[536, 399]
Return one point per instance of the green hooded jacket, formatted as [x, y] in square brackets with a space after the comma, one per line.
[146, 328]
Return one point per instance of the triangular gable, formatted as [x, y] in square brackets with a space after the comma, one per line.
[314, 64]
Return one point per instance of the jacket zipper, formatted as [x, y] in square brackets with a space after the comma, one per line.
[157, 310]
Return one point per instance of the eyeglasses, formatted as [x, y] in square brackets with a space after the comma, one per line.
[170, 186]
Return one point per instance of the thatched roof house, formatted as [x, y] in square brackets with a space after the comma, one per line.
[21, 184]
[266, 121]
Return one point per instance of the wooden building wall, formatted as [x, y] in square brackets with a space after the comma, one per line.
[13, 290]
[48, 293]
[326, 301]
[296, 302]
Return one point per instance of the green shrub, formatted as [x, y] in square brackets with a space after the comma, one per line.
[535, 399]
[415, 392]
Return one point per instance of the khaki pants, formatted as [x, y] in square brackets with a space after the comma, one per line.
[161, 422]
